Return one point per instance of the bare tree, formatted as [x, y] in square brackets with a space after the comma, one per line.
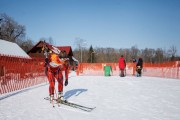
[159, 55]
[148, 55]
[11, 30]
[172, 53]
[101, 54]
[26, 45]
[81, 43]
[134, 51]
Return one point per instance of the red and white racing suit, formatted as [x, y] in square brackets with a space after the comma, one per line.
[55, 68]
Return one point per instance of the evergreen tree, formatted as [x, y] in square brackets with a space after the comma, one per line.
[91, 56]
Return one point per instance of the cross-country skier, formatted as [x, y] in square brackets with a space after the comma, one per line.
[55, 67]
[122, 65]
[139, 66]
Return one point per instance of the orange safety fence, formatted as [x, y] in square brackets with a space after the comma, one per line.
[166, 69]
[17, 73]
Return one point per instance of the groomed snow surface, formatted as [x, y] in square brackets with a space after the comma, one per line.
[115, 98]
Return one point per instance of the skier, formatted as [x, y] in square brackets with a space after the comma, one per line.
[55, 67]
[139, 67]
[122, 66]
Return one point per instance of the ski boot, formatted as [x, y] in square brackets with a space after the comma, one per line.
[51, 98]
[60, 97]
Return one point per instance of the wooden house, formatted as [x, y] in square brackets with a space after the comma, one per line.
[36, 51]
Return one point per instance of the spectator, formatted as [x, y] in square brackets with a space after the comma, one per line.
[122, 66]
[139, 67]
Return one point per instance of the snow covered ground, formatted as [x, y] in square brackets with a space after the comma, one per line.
[115, 98]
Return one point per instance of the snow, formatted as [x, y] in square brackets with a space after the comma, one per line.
[12, 49]
[115, 98]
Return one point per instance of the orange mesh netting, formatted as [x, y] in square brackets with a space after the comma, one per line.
[167, 69]
[17, 73]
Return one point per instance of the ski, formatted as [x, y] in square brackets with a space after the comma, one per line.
[71, 104]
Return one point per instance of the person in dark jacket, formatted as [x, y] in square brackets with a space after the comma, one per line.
[122, 66]
[139, 67]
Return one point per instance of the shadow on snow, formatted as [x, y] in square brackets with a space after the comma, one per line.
[74, 92]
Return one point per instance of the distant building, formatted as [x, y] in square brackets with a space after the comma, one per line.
[12, 49]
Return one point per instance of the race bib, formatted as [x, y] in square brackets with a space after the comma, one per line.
[54, 65]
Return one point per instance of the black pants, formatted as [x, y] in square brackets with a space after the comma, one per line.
[139, 71]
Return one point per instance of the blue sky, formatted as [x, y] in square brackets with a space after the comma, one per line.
[101, 23]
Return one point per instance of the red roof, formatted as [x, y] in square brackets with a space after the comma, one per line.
[65, 48]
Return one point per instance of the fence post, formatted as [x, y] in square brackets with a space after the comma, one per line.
[177, 65]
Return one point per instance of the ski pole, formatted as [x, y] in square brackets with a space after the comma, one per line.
[57, 97]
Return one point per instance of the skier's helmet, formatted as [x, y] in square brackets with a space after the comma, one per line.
[55, 50]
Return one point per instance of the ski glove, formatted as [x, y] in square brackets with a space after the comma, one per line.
[66, 82]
